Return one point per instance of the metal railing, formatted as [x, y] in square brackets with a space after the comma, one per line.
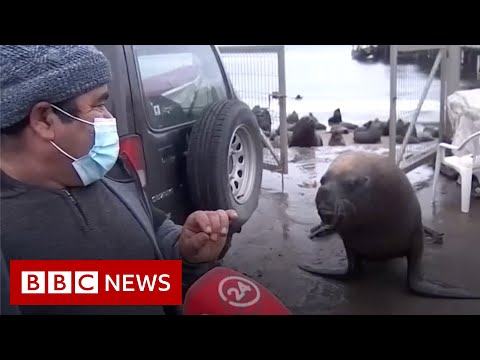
[417, 100]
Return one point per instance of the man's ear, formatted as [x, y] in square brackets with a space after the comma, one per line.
[42, 119]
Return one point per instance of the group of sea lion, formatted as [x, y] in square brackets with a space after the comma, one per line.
[369, 201]
[303, 131]
[372, 132]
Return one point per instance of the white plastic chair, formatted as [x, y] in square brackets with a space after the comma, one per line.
[465, 165]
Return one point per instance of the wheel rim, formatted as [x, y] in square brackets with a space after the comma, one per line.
[241, 164]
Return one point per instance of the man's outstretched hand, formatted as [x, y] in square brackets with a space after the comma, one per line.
[204, 234]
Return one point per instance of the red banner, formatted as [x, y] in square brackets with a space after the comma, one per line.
[95, 282]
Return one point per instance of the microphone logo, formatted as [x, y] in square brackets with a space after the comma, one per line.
[238, 291]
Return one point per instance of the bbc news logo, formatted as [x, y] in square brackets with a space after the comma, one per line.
[86, 282]
[59, 282]
[95, 282]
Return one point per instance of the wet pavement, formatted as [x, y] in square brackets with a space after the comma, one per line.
[276, 239]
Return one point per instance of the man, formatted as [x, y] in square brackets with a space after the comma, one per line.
[65, 194]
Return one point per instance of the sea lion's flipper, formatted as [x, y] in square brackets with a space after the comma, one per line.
[437, 237]
[321, 230]
[338, 273]
[438, 290]
[332, 273]
[419, 285]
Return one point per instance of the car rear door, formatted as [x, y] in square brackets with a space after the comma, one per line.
[171, 86]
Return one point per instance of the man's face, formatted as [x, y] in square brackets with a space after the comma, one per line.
[75, 137]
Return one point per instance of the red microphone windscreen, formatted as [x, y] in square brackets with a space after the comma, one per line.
[223, 291]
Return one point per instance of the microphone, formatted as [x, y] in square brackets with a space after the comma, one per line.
[223, 291]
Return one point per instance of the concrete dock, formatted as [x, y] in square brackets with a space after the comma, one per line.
[276, 239]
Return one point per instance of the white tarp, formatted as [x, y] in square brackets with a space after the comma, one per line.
[463, 108]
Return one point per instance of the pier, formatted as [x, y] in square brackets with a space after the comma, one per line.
[470, 59]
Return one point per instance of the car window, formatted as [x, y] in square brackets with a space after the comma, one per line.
[178, 81]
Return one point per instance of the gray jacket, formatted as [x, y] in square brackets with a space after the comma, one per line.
[111, 219]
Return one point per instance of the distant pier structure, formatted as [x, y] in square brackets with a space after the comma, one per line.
[370, 52]
[471, 60]
[470, 57]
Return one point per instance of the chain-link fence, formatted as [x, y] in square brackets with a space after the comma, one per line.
[258, 76]
[417, 99]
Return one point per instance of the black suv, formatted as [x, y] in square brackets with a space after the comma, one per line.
[194, 144]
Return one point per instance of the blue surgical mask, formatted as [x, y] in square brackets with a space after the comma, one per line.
[104, 153]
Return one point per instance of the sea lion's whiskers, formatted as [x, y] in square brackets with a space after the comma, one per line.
[348, 203]
[337, 212]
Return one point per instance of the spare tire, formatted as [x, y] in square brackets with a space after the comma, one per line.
[225, 160]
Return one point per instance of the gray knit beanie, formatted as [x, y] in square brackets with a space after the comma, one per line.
[54, 73]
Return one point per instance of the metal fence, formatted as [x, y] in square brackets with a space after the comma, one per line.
[418, 100]
[421, 100]
[258, 76]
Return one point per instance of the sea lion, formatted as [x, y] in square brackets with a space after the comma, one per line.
[277, 132]
[318, 125]
[386, 129]
[411, 140]
[292, 118]
[432, 131]
[336, 139]
[428, 133]
[276, 139]
[401, 132]
[425, 137]
[349, 126]
[380, 125]
[264, 119]
[401, 128]
[367, 134]
[340, 129]
[372, 205]
[336, 119]
[304, 134]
